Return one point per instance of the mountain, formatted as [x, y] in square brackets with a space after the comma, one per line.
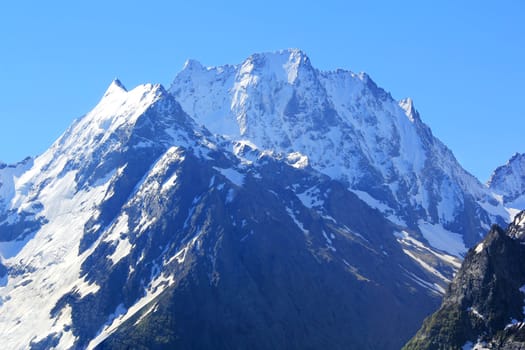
[484, 305]
[509, 181]
[350, 129]
[261, 205]
[140, 228]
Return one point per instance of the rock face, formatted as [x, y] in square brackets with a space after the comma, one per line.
[509, 181]
[484, 305]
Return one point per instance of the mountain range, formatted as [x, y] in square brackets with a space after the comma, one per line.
[266, 204]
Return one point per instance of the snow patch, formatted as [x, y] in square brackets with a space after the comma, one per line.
[372, 202]
[233, 175]
[479, 248]
[121, 314]
[297, 160]
[311, 198]
[476, 313]
[442, 239]
[297, 222]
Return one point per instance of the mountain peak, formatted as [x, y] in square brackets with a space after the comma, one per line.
[116, 86]
[517, 228]
[192, 64]
[288, 61]
[508, 180]
[407, 104]
[516, 156]
[291, 54]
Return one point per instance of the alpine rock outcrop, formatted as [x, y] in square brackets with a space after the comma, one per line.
[484, 305]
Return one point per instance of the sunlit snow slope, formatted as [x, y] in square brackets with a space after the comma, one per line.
[350, 129]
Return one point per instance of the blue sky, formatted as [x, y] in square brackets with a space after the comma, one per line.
[461, 61]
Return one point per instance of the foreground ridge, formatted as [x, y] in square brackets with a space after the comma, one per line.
[483, 307]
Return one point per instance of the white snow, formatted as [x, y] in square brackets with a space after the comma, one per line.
[272, 102]
[114, 234]
[433, 287]
[121, 315]
[270, 105]
[372, 202]
[311, 198]
[233, 175]
[410, 245]
[51, 263]
[296, 221]
[442, 239]
[297, 160]
[8, 177]
[180, 256]
[468, 346]
[478, 346]
[84, 288]
[508, 182]
[329, 243]
[479, 248]
[48, 259]
[475, 312]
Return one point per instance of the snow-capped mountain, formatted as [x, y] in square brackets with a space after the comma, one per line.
[72, 194]
[347, 127]
[277, 206]
[139, 228]
[509, 181]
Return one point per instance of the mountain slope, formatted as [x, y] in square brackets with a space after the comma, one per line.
[270, 272]
[509, 181]
[70, 196]
[350, 129]
[484, 305]
[139, 227]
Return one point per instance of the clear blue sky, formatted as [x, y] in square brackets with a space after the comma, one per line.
[463, 62]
